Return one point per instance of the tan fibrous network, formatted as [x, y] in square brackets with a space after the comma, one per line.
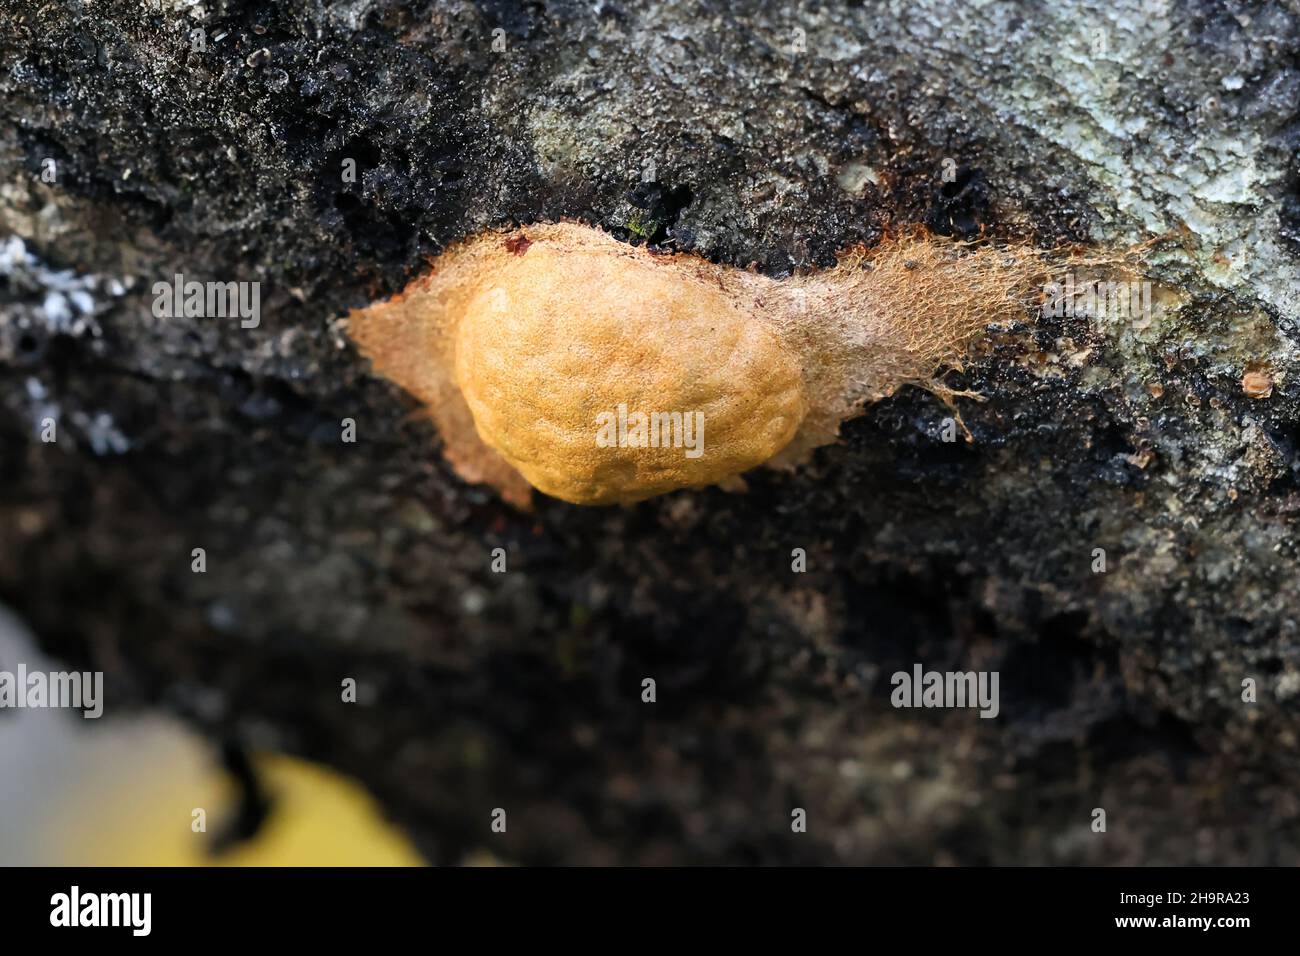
[535, 350]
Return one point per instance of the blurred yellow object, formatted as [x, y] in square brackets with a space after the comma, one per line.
[149, 816]
[319, 818]
[144, 790]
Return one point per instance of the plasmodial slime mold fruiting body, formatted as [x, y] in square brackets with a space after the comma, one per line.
[558, 358]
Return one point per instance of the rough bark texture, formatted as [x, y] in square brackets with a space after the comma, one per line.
[1105, 122]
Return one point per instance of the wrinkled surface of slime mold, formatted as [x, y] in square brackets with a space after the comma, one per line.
[557, 357]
